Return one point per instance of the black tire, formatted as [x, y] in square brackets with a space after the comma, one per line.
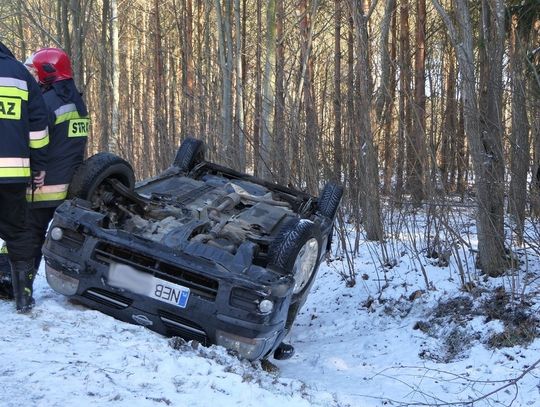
[189, 154]
[283, 254]
[286, 248]
[95, 170]
[329, 200]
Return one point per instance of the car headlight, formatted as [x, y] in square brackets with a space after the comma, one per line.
[249, 348]
[61, 283]
[266, 306]
[57, 233]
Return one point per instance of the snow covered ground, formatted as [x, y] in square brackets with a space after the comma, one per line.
[355, 346]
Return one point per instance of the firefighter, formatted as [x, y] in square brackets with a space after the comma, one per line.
[23, 157]
[68, 129]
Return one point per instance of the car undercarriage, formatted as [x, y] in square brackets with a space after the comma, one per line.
[200, 251]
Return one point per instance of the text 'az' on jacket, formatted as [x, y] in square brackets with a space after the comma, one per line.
[23, 122]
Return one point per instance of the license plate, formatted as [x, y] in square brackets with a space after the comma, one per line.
[126, 277]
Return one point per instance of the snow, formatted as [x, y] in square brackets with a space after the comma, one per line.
[355, 346]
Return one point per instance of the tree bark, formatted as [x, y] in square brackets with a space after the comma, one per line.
[338, 151]
[239, 86]
[257, 114]
[281, 153]
[225, 63]
[268, 92]
[404, 125]
[104, 63]
[482, 122]
[385, 94]
[519, 145]
[367, 153]
[312, 124]
[449, 129]
[534, 86]
[115, 50]
[184, 23]
[418, 153]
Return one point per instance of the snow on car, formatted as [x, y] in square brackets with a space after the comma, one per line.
[200, 251]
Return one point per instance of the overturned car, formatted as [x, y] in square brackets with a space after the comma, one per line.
[200, 251]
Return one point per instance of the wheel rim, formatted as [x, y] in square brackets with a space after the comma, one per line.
[305, 264]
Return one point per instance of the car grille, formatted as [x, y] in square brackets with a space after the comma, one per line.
[200, 286]
[178, 326]
[71, 239]
[107, 298]
[245, 299]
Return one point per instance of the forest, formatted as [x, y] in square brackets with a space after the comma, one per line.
[408, 103]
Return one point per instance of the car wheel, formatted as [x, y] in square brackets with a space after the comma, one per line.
[297, 250]
[329, 200]
[89, 180]
[189, 154]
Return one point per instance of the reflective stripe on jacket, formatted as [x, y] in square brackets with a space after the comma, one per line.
[47, 193]
[23, 122]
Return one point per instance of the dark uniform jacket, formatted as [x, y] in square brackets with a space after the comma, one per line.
[23, 122]
[68, 132]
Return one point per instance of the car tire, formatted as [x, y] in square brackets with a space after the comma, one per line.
[328, 205]
[95, 170]
[297, 238]
[189, 154]
[329, 200]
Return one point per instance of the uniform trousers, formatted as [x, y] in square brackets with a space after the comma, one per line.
[13, 211]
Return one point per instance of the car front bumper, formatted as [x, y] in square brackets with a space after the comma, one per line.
[223, 306]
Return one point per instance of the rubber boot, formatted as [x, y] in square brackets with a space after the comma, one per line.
[6, 288]
[22, 276]
[284, 351]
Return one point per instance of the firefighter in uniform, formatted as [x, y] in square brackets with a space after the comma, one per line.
[23, 156]
[68, 130]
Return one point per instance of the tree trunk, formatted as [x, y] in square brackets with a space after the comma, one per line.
[162, 148]
[482, 122]
[404, 125]
[115, 50]
[338, 150]
[385, 94]
[534, 84]
[20, 30]
[281, 161]
[416, 176]
[268, 91]
[491, 157]
[64, 9]
[241, 148]
[184, 22]
[312, 124]
[104, 63]
[77, 60]
[449, 129]
[535, 182]
[350, 159]
[519, 144]
[367, 153]
[225, 63]
[462, 153]
[257, 114]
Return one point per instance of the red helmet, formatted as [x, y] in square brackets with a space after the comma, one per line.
[52, 65]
